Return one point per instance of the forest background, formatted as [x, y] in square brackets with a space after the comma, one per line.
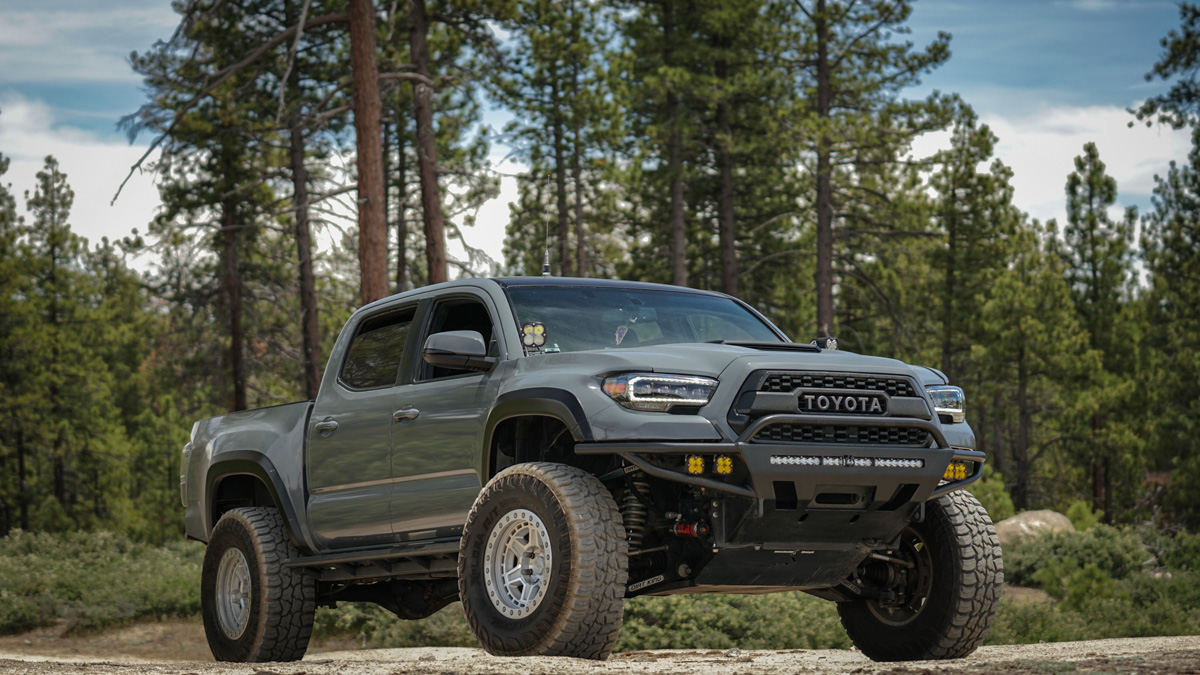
[761, 148]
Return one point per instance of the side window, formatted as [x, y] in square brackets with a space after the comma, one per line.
[374, 355]
[456, 314]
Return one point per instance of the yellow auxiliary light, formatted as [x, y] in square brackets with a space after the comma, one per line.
[956, 471]
[724, 465]
[695, 464]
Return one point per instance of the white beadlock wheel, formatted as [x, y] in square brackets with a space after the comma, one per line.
[517, 563]
[541, 565]
[233, 593]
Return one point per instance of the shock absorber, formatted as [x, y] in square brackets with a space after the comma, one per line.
[634, 512]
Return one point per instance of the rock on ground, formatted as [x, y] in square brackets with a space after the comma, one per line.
[1030, 523]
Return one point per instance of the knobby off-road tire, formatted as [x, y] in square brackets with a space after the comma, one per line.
[555, 534]
[254, 608]
[965, 575]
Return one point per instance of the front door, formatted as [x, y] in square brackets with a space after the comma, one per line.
[349, 435]
[438, 438]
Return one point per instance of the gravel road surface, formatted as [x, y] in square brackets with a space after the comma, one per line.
[1142, 655]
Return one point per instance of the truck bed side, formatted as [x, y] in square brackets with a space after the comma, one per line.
[242, 458]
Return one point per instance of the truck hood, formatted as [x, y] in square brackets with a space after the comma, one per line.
[711, 360]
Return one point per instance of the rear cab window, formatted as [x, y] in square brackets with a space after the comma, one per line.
[373, 358]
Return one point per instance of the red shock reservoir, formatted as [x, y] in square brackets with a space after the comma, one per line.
[690, 529]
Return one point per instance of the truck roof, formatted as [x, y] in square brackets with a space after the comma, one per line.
[505, 282]
[584, 281]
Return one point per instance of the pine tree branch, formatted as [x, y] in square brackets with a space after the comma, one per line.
[217, 79]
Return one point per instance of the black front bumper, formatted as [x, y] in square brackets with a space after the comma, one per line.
[804, 525]
[773, 466]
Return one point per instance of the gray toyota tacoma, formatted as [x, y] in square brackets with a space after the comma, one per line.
[543, 448]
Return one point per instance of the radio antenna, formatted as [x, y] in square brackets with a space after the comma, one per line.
[546, 240]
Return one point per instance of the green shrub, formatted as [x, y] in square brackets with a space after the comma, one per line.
[376, 627]
[1115, 552]
[1082, 516]
[990, 492]
[94, 580]
[1178, 551]
[774, 621]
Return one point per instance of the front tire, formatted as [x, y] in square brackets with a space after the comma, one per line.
[254, 608]
[949, 596]
[542, 564]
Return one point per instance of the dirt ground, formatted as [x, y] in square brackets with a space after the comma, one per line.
[172, 648]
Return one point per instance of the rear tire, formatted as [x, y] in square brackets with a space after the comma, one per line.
[542, 564]
[254, 608]
[954, 588]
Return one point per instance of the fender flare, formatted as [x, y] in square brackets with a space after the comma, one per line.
[560, 404]
[251, 463]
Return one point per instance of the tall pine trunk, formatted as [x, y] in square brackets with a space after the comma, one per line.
[560, 182]
[22, 482]
[1020, 492]
[401, 203]
[949, 291]
[372, 233]
[679, 273]
[726, 226]
[581, 257]
[310, 327]
[824, 274]
[231, 286]
[427, 162]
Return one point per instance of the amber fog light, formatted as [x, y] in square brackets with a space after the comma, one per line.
[956, 471]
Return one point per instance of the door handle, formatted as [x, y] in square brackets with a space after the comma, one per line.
[326, 425]
[405, 414]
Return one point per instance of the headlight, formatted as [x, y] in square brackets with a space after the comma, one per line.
[949, 401]
[659, 393]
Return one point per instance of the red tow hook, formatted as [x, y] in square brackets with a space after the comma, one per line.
[696, 530]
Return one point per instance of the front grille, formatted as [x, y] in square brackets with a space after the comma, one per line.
[839, 434]
[785, 382]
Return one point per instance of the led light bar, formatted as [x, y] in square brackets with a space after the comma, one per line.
[851, 462]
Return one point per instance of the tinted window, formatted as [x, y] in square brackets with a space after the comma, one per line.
[374, 355]
[578, 318]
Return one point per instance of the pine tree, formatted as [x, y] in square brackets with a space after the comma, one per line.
[975, 215]
[1180, 106]
[1098, 257]
[1031, 355]
[852, 74]
[1172, 244]
[14, 315]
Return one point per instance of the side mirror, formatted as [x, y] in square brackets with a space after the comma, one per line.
[457, 349]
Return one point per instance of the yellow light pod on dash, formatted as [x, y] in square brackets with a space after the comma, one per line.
[724, 465]
[695, 464]
[956, 471]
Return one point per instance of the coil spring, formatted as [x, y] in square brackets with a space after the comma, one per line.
[634, 512]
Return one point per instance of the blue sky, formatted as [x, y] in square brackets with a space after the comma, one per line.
[1047, 75]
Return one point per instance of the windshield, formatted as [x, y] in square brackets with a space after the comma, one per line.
[579, 318]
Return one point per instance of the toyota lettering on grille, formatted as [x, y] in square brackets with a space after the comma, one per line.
[842, 403]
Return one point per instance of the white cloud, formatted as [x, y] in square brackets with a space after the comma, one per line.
[78, 43]
[1041, 149]
[94, 169]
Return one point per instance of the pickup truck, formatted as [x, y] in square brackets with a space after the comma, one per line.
[543, 448]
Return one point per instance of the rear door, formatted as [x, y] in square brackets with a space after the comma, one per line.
[349, 434]
[439, 434]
